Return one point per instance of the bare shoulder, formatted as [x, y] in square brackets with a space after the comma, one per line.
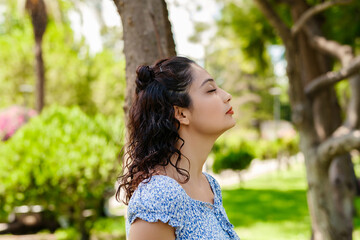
[143, 230]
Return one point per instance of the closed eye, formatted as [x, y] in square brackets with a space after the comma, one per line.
[213, 90]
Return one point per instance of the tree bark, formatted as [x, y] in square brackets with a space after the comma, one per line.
[37, 11]
[40, 76]
[329, 169]
[147, 37]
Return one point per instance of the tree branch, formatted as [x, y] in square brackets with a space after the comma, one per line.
[274, 19]
[335, 146]
[315, 10]
[333, 77]
[342, 52]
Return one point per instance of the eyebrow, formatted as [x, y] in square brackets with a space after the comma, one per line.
[207, 80]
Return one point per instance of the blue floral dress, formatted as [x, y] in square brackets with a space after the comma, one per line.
[163, 198]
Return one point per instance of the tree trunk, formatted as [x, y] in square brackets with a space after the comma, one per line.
[40, 76]
[37, 11]
[317, 117]
[328, 196]
[147, 37]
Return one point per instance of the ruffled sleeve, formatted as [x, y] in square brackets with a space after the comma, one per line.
[160, 199]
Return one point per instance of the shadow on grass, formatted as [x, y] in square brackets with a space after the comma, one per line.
[245, 207]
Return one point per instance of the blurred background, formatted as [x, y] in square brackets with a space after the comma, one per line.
[63, 88]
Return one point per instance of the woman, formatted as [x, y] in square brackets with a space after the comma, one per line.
[177, 115]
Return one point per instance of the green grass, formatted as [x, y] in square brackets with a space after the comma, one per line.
[273, 207]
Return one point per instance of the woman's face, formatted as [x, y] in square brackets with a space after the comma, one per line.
[209, 113]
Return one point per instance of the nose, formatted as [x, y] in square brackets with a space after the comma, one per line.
[228, 96]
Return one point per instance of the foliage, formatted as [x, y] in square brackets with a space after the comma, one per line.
[109, 229]
[238, 57]
[245, 35]
[245, 20]
[63, 160]
[236, 158]
[16, 56]
[96, 83]
[102, 229]
[343, 24]
[67, 234]
[267, 149]
[237, 155]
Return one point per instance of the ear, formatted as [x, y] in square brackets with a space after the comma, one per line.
[182, 115]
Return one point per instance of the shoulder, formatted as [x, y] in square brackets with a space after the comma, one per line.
[160, 198]
[214, 183]
[211, 179]
[158, 189]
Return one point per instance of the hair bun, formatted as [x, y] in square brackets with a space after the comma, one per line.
[145, 75]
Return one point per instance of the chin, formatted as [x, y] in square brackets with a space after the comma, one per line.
[232, 124]
[228, 127]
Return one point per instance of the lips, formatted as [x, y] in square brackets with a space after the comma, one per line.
[230, 111]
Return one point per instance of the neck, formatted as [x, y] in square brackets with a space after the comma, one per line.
[196, 148]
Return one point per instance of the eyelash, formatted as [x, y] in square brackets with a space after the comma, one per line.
[212, 90]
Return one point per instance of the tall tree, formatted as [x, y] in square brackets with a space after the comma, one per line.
[147, 37]
[37, 11]
[326, 139]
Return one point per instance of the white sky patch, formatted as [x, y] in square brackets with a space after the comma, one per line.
[75, 24]
[2, 13]
[88, 28]
[179, 16]
[277, 57]
[110, 14]
[181, 29]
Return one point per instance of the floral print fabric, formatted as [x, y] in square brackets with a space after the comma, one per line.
[163, 198]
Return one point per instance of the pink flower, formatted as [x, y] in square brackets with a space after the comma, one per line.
[12, 118]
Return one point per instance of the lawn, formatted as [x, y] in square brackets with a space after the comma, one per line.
[273, 207]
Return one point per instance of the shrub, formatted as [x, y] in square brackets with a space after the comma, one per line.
[109, 229]
[266, 149]
[238, 155]
[233, 157]
[62, 160]
[67, 234]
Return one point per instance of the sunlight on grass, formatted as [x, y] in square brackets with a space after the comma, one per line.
[282, 231]
[273, 207]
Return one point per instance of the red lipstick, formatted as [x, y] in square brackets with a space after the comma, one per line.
[230, 111]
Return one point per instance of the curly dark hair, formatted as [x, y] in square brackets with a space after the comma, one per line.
[153, 128]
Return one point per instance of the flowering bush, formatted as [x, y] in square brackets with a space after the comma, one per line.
[12, 119]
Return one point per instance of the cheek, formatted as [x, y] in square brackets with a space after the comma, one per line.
[207, 110]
